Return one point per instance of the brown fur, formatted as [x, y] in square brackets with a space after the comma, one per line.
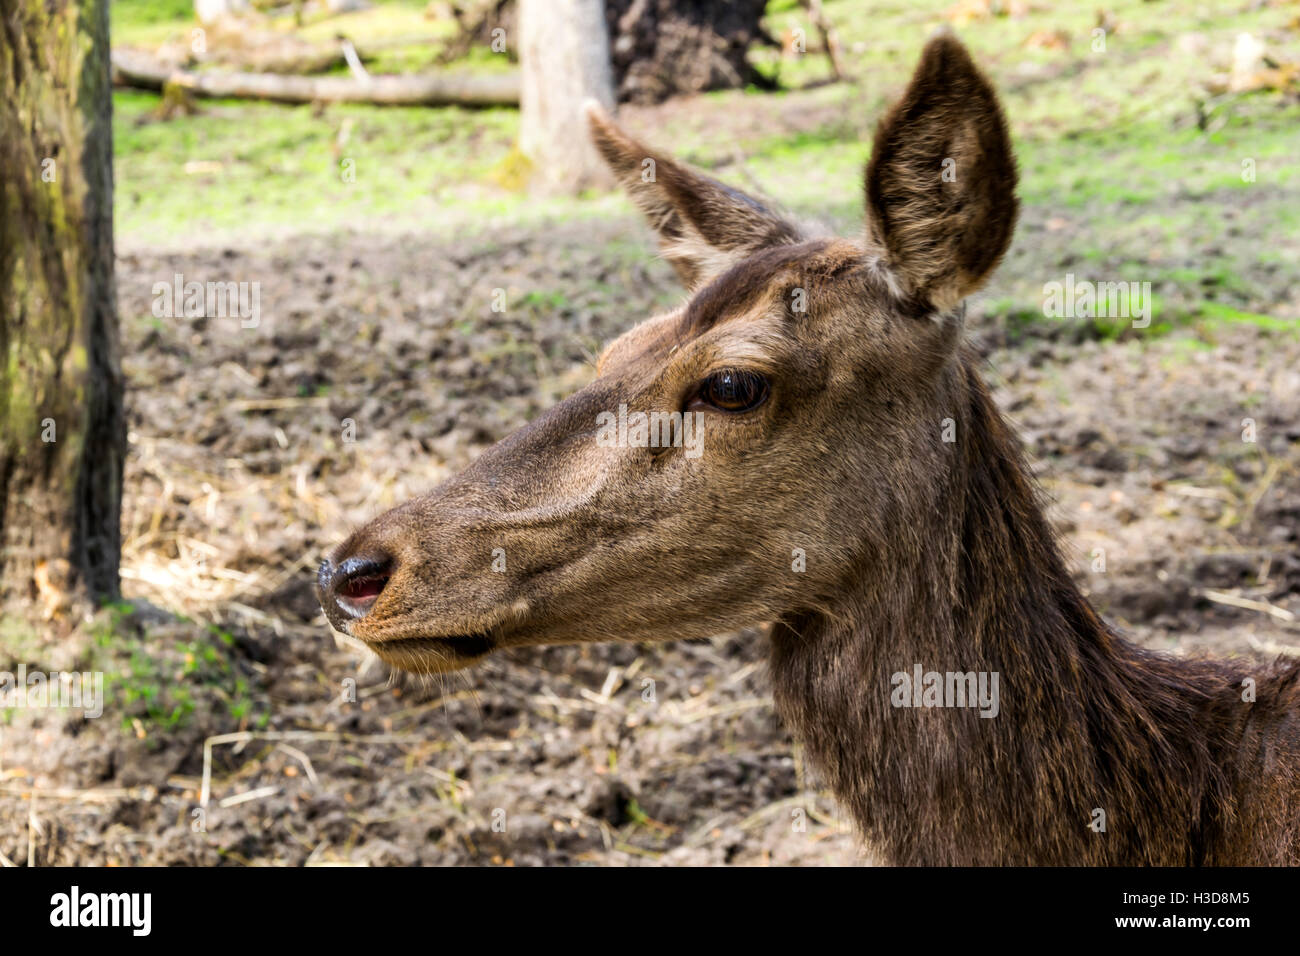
[701, 222]
[943, 235]
[918, 550]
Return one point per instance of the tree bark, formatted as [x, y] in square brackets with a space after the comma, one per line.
[564, 61]
[62, 427]
[665, 48]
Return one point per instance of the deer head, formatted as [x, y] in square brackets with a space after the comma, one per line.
[792, 407]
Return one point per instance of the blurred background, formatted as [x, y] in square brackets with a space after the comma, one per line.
[1159, 142]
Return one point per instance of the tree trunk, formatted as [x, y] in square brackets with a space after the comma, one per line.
[564, 61]
[658, 48]
[62, 430]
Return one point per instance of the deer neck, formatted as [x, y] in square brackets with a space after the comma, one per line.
[1083, 723]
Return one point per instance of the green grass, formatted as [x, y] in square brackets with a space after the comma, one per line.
[151, 22]
[1119, 181]
[161, 684]
[249, 168]
[1214, 314]
[154, 680]
[132, 19]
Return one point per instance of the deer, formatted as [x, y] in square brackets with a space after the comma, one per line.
[914, 552]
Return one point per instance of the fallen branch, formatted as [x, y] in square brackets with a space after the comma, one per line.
[280, 56]
[1232, 600]
[278, 737]
[94, 795]
[137, 70]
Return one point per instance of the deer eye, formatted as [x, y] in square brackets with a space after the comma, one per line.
[731, 390]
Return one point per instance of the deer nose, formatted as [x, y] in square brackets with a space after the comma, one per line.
[352, 586]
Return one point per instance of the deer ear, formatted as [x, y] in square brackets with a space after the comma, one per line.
[704, 227]
[941, 181]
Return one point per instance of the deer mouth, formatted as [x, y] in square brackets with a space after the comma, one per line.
[463, 646]
[433, 655]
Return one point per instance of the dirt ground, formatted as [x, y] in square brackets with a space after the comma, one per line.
[239, 478]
